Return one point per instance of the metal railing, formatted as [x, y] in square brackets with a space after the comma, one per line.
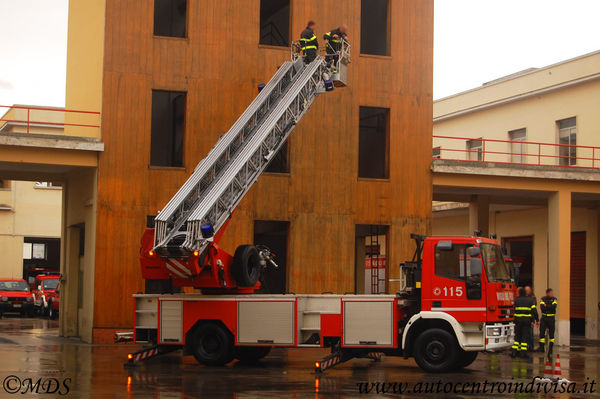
[47, 120]
[515, 152]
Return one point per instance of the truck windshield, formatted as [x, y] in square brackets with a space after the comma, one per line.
[14, 286]
[495, 267]
[50, 284]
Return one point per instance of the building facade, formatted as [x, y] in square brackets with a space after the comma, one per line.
[169, 77]
[535, 135]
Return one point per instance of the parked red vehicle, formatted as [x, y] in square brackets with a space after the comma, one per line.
[44, 293]
[15, 297]
[54, 304]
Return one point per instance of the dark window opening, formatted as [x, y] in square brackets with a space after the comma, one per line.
[5, 184]
[279, 163]
[273, 234]
[374, 29]
[168, 120]
[170, 18]
[275, 22]
[373, 146]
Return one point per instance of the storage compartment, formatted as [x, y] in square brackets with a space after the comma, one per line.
[266, 322]
[171, 322]
[368, 323]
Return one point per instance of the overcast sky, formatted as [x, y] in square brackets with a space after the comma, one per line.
[475, 41]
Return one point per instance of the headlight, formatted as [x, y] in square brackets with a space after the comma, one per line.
[4, 299]
[494, 332]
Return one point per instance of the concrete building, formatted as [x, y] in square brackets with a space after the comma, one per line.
[343, 173]
[519, 157]
[30, 226]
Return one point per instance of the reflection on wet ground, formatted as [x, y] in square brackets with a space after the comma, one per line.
[31, 348]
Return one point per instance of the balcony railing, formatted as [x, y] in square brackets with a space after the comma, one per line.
[48, 120]
[513, 152]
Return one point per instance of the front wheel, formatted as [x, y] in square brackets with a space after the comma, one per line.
[465, 359]
[436, 351]
[51, 311]
[212, 345]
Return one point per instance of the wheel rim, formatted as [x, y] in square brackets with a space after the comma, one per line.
[210, 345]
[435, 351]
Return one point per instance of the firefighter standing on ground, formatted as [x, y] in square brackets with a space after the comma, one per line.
[524, 308]
[548, 306]
[536, 317]
[309, 43]
[334, 39]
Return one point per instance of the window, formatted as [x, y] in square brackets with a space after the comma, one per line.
[279, 163]
[168, 121]
[46, 184]
[4, 184]
[518, 150]
[275, 22]
[451, 263]
[34, 250]
[169, 18]
[475, 150]
[437, 152]
[567, 134]
[373, 143]
[374, 27]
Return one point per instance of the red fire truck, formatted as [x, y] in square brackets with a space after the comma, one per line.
[456, 298]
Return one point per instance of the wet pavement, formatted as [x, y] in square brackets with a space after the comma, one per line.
[31, 351]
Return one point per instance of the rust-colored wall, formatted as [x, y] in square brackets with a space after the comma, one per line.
[220, 65]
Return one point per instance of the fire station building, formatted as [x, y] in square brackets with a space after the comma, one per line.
[519, 157]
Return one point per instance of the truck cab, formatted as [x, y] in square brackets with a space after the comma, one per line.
[462, 289]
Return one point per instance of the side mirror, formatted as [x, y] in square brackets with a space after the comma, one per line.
[474, 267]
[473, 252]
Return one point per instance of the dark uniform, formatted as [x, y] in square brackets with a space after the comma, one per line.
[333, 47]
[524, 308]
[309, 45]
[548, 322]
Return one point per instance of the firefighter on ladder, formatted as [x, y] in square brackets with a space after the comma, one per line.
[309, 43]
[524, 308]
[334, 39]
[548, 306]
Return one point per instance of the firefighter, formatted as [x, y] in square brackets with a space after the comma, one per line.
[309, 43]
[548, 306]
[523, 320]
[536, 317]
[334, 39]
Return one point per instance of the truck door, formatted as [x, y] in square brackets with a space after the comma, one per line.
[456, 282]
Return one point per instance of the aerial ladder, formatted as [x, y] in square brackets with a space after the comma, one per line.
[183, 244]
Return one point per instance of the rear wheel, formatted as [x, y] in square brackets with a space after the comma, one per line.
[251, 353]
[246, 265]
[465, 359]
[212, 345]
[436, 351]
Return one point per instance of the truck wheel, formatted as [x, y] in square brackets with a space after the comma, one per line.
[250, 354]
[436, 351]
[246, 265]
[212, 345]
[51, 311]
[465, 358]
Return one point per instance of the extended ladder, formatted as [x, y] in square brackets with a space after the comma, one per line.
[226, 174]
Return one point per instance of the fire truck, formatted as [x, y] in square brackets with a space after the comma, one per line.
[456, 297]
